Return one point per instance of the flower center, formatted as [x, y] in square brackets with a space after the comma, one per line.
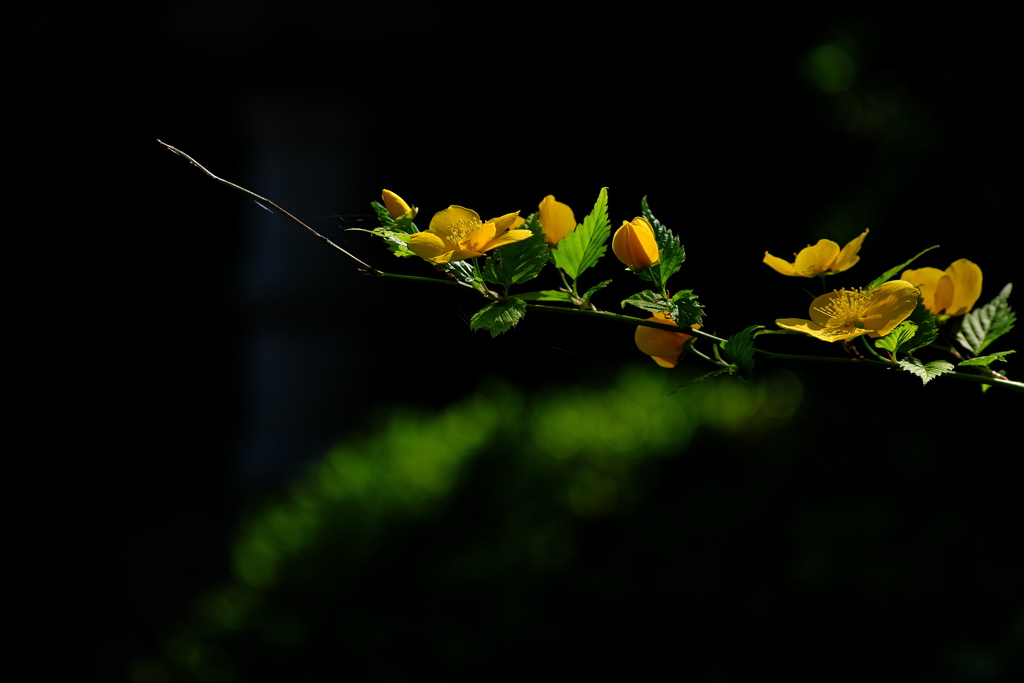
[462, 227]
[847, 309]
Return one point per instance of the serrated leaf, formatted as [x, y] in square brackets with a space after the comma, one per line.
[927, 328]
[599, 286]
[669, 260]
[648, 301]
[396, 241]
[887, 275]
[926, 371]
[463, 271]
[899, 336]
[738, 350]
[984, 325]
[499, 316]
[985, 361]
[672, 253]
[520, 261]
[687, 310]
[403, 225]
[682, 307]
[383, 215]
[662, 235]
[713, 373]
[546, 295]
[581, 248]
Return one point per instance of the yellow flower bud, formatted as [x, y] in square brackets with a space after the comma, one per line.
[666, 348]
[396, 206]
[556, 219]
[634, 244]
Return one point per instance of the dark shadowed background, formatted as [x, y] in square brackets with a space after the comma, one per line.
[174, 355]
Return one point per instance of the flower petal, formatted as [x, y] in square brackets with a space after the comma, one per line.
[503, 223]
[455, 222]
[508, 237]
[478, 239]
[828, 334]
[966, 278]
[780, 265]
[848, 256]
[888, 305]
[663, 346]
[816, 259]
[460, 255]
[429, 246]
[556, 219]
[927, 282]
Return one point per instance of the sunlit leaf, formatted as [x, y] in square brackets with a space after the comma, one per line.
[582, 247]
[984, 325]
[902, 334]
[520, 261]
[985, 361]
[499, 316]
[926, 371]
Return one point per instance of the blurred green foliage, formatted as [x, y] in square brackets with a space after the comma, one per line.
[487, 502]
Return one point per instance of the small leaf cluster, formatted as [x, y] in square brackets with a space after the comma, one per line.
[973, 334]
[574, 256]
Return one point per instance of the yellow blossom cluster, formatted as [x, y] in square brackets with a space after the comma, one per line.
[849, 313]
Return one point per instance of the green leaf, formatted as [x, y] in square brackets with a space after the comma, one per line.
[672, 252]
[581, 248]
[383, 215]
[683, 307]
[599, 286]
[404, 224]
[887, 275]
[688, 311]
[499, 316]
[985, 361]
[899, 336]
[668, 264]
[738, 350]
[396, 241]
[546, 295]
[648, 301]
[984, 325]
[520, 261]
[927, 328]
[926, 371]
[713, 373]
[463, 271]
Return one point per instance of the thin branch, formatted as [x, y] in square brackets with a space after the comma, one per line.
[625, 319]
[883, 364]
[365, 267]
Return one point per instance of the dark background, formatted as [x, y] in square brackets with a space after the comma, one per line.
[172, 352]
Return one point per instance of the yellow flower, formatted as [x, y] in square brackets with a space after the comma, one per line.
[846, 313]
[663, 346]
[953, 292]
[397, 207]
[823, 257]
[634, 244]
[457, 234]
[556, 218]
